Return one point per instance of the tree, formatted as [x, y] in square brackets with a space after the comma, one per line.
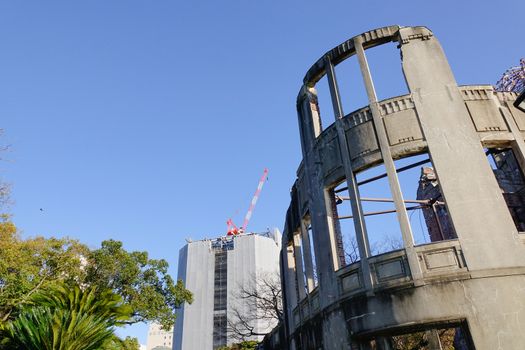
[388, 243]
[425, 340]
[128, 343]
[259, 307]
[143, 283]
[245, 345]
[27, 266]
[64, 317]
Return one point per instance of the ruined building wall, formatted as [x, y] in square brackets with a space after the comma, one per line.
[463, 286]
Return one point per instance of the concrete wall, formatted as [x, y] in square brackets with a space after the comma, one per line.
[194, 323]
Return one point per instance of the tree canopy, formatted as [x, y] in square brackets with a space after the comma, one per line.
[30, 265]
[143, 283]
[245, 345]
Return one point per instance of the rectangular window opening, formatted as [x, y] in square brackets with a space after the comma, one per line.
[304, 277]
[351, 86]
[379, 212]
[450, 337]
[386, 69]
[425, 204]
[312, 250]
[511, 181]
[325, 107]
[343, 226]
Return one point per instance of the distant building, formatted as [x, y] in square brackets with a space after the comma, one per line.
[213, 270]
[435, 212]
[159, 339]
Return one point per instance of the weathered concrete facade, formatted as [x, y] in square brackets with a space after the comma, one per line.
[472, 283]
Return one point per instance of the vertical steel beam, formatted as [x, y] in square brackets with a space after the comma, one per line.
[353, 190]
[395, 188]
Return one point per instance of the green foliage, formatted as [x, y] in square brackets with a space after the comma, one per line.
[127, 344]
[143, 283]
[27, 266]
[130, 344]
[248, 345]
[60, 317]
[245, 345]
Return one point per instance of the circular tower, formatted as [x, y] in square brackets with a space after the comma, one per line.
[407, 218]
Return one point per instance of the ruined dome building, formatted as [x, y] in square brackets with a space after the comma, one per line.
[463, 286]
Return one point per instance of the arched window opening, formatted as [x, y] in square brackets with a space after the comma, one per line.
[511, 181]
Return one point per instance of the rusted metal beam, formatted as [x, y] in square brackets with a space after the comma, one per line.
[371, 213]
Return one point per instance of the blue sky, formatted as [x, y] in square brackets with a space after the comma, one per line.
[152, 121]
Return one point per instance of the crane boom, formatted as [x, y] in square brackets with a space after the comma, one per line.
[254, 199]
[232, 229]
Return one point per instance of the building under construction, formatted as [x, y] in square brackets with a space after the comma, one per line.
[406, 227]
[215, 270]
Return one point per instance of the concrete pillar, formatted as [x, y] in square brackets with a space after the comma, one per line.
[307, 256]
[335, 225]
[289, 278]
[309, 117]
[309, 111]
[353, 190]
[384, 145]
[333, 230]
[456, 151]
[299, 268]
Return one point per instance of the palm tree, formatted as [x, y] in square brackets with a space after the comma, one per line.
[66, 318]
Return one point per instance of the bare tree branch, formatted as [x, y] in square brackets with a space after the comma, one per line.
[388, 243]
[258, 307]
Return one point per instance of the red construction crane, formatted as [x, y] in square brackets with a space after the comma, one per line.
[232, 229]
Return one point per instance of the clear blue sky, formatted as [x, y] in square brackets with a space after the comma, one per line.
[151, 121]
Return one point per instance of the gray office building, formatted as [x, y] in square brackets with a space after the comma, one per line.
[215, 270]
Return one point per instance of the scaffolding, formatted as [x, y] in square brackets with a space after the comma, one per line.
[220, 293]
[513, 79]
